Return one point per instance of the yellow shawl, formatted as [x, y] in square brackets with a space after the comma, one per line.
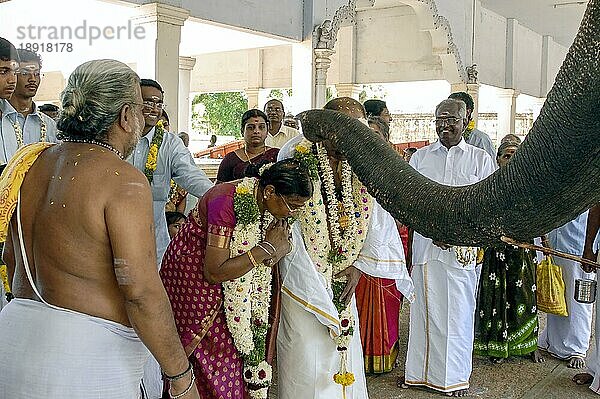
[11, 179]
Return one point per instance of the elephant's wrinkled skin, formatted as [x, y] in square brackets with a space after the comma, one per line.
[553, 177]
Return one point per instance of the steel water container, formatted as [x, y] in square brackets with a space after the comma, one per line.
[585, 290]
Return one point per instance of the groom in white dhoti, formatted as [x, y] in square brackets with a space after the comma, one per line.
[442, 317]
[341, 233]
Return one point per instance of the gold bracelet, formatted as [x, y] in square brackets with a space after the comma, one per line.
[252, 260]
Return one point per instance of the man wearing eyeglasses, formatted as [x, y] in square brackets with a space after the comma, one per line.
[22, 118]
[442, 315]
[279, 133]
[173, 162]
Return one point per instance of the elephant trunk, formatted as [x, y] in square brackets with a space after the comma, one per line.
[553, 177]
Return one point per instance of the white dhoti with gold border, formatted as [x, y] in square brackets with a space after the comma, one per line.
[441, 336]
[307, 357]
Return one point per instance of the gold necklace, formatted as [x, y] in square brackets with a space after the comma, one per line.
[248, 157]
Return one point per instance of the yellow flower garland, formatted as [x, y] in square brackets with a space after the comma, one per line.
[152, 159]
[4, 277]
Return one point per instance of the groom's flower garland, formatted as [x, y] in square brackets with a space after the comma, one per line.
[247, 298]
[331, 246]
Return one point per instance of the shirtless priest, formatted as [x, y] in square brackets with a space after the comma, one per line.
[340, 234]
[81, 254]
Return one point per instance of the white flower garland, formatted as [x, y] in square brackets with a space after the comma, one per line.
[319, 224]
[247, 299]
[331, 248]
[19, 132]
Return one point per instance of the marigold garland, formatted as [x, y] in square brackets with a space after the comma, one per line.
[152, 159]
[469, 130]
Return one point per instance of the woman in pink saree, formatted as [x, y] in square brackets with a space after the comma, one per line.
[198, 265]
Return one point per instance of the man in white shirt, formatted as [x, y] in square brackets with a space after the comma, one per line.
[568, 338]
[442, 317]
[278, 134]
[21, 120]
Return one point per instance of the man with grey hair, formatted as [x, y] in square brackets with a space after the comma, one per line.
[279, 132]
[442, 316]
[86, 311]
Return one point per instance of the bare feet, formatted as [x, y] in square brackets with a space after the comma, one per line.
[583, 379]
[496, 360]
[401, 384]
[458, 394]
[537, 356]
[576, 362]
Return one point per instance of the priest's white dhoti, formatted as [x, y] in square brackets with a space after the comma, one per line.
[152, 383]
[440, 344]
[51, 353]
[565, 337]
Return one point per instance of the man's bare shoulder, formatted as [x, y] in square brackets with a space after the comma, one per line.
[127, 183]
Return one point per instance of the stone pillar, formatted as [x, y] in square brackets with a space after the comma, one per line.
[322, 63]
[506, 113]
[302, 75]
[252, 94]
[160, 61]
[473, 90]
[348, 90]
[345, 48]
[255, 77]
[186, 64]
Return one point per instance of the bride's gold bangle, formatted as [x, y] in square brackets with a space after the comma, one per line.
[252, 260]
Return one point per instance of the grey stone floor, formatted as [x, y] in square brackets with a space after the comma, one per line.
[516, 378]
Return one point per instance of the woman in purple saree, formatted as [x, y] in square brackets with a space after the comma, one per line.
[236, 233]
